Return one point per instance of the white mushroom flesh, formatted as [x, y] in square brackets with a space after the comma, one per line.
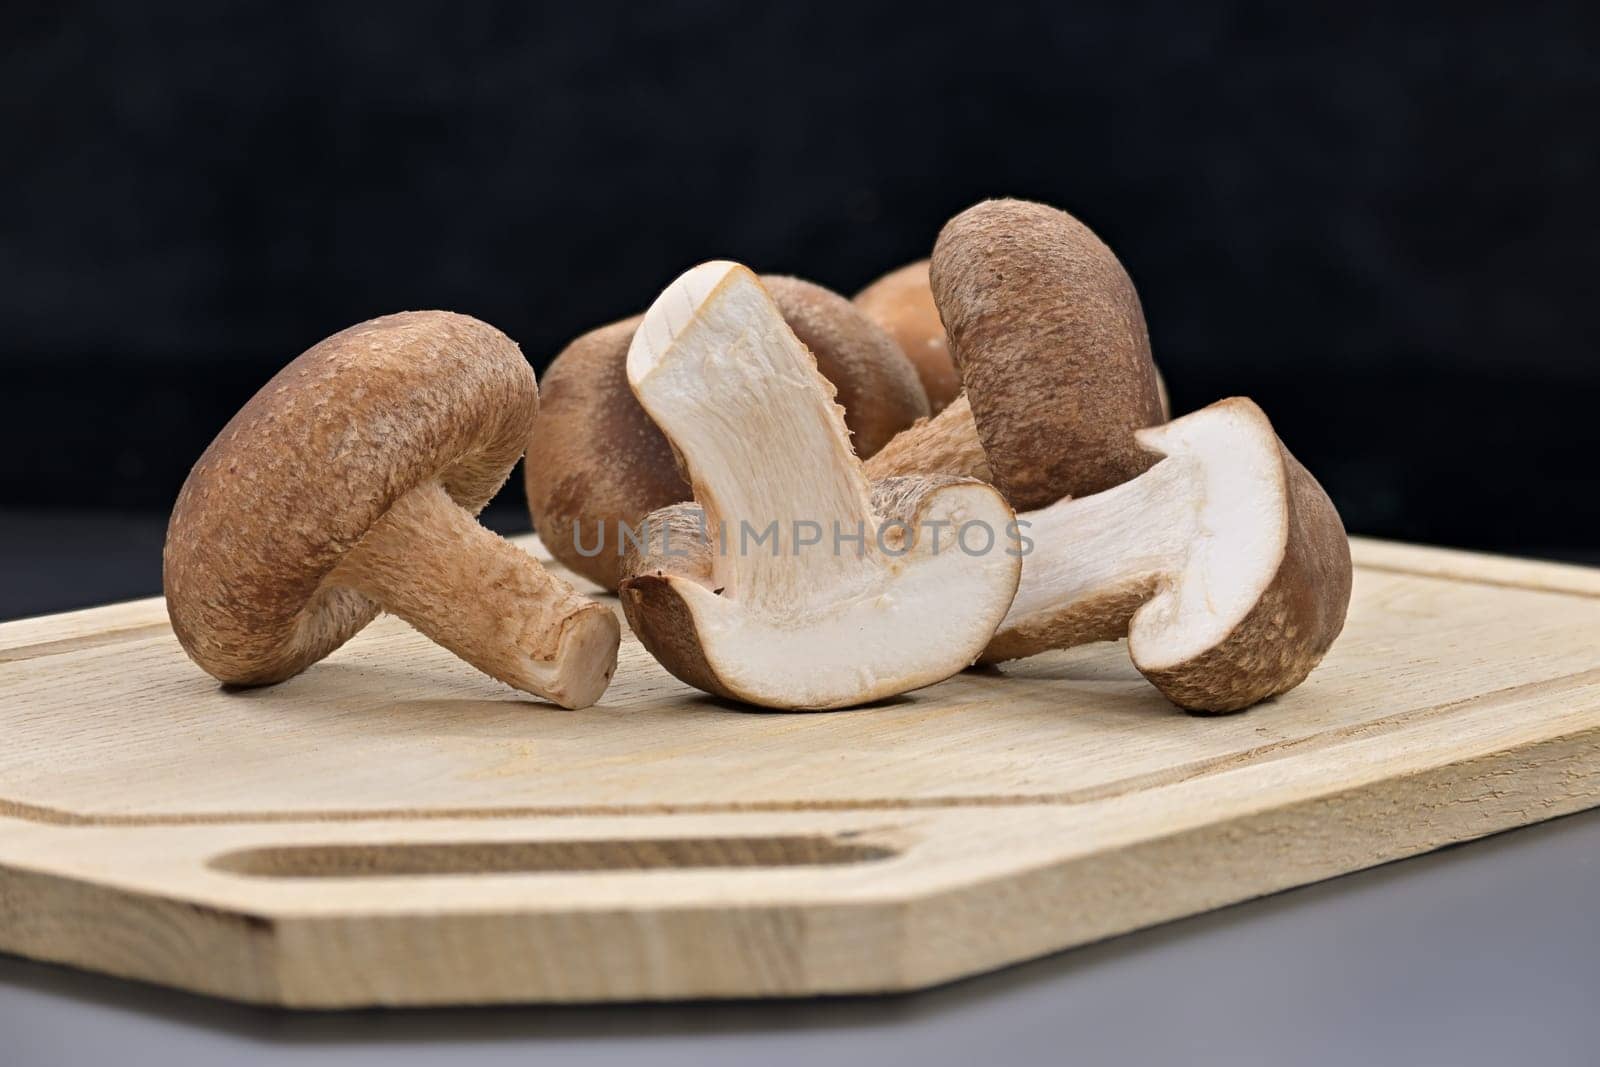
[1205, 528]
[806, 625]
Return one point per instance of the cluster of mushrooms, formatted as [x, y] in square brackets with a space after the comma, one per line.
[1005, 386]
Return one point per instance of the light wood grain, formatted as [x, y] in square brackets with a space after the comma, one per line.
[392, 827]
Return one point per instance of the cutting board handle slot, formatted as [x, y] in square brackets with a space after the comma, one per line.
[547, 857]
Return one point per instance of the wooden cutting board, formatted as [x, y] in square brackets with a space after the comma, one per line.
[393, 828]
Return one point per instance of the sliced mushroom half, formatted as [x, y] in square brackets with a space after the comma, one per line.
[1225, 565]
[791, 582]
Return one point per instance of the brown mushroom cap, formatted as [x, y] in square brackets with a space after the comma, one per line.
[674, 545]
[597, 460]
[1047, 329]
[1053, 354]
[902, 303]
[321, 453]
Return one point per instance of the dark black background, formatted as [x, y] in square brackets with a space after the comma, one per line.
[1378, 220]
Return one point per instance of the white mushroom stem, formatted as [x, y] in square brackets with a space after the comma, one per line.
[430, 563]
[776, 479]
[1135, 536]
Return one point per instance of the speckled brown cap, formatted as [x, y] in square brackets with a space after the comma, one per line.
[595, 459]
[1047, 330]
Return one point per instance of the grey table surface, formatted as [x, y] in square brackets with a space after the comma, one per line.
[1485, 953]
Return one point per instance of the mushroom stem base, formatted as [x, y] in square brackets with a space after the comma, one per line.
[430, 563]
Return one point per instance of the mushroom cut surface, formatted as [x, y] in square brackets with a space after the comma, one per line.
[347, 486]
[1225, 565]
[599, 464]
[791, 581]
